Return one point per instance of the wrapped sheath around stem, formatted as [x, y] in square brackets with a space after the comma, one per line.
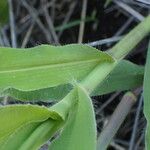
[121, 49]
[118, 52]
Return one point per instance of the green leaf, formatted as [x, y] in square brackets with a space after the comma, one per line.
[3, 12]
[147, 98]
[79, 132]
[47, 94]
[18, 137]
[26, 127]
[31, 136]
[22, 114]
[47, 66]
[125, 76]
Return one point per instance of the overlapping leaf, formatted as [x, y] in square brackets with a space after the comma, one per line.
[20, 122]
[147, 98]
[47, 66]
[125, 76]
[30, 136]
[26, 127]
[34, 125]
[79, 132]
[46, 94]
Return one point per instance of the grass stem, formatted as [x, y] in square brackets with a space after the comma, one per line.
[116, 120]
[122, 48]
[119, 51]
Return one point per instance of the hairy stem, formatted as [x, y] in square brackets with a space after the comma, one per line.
[122, 48]
[97, 76]
[119, 51]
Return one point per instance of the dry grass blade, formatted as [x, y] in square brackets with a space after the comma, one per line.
[82, 24]
[129, 10]
[115, 121]
[12, 24]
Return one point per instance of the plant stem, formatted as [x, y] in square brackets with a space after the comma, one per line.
[116, 120]
[97, 76]
[122, 48]
[119, 51]
[82, 24]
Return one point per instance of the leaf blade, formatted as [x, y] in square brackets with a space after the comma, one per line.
[146, 93]
[33, 124]
[80, 131]
[47, 66]
[125, 76]
[23, 114]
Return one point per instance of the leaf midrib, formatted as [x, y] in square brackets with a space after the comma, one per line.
[45, 66]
